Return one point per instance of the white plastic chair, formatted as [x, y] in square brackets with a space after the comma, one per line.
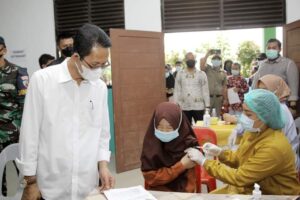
[10, 152]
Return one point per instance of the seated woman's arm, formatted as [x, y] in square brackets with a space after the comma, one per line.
[264, 163]
[163, 175]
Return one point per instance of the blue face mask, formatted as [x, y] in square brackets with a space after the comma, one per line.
[248, 123]
[167, 136]
[272, 54]
[216, 63]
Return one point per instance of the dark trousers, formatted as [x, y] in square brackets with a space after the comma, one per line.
[196, 114]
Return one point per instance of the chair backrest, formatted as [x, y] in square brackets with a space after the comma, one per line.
[205, 135]
[9, 153]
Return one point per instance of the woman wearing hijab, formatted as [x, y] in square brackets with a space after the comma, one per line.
[279, 87]
[165, 165]
[264, 155]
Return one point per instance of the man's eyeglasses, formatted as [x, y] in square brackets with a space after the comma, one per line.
[103, 65]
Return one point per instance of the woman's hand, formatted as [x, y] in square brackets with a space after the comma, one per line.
[211, 149]
[187, 162]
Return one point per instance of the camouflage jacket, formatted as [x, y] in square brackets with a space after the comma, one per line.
[13, 86]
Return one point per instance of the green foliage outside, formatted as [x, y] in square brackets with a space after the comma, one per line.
[247, 52]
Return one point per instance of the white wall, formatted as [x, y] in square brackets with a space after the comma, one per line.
[28, 25]
[142, 15]
[292, 10]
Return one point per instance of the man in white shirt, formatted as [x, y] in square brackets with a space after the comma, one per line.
[64, 141]
[191, 90]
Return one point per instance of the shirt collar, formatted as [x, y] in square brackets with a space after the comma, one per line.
[65, 76]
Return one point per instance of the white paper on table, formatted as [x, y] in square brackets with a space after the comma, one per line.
[233, 96]
[131, 193]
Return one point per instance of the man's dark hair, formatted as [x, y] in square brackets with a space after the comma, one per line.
[89, 36]
[274, 40]
[237, 64]
[44, 58]
[63, 35]
[178, 62]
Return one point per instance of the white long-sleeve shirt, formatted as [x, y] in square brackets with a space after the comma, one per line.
[290, 132]
[64, 133]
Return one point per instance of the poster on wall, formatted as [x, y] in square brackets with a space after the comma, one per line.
[18, 56]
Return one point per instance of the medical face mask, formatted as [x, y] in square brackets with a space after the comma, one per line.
[167, 136]
[248, 123]
[190, 63]
[272, 54]
[89, 74]
[235, 72]
[178, 68]
[216, 63]
[68, 51]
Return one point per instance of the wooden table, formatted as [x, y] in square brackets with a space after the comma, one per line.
[198, 196]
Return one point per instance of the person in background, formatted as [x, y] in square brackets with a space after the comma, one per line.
[13, 86]
[217, 81]
[64, 140]
[191, 90]
[45, 60]
[165, 165]
[227, 67]
[170, 82]
[277, 85]
[264, 155]
[64, 44]
[255, 65]
[178, 67]
[280, 66]
[239, 85]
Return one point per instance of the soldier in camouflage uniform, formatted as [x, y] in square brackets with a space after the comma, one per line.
[13, 85]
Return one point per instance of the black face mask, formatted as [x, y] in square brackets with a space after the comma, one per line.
[190, 63]
[68, 51]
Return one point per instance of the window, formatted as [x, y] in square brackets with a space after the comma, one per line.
[200, 15]
[71, 14]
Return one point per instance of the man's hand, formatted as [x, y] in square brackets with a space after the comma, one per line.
[107, 180]
[31, 192]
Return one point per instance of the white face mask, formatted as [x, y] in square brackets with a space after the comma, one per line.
[216, 63]
[235, 72]
[89, 74]
[248, 124]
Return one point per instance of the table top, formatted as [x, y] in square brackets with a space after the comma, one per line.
[222, 131]
[199, 196]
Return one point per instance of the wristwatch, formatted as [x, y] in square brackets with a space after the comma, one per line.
[29, 180]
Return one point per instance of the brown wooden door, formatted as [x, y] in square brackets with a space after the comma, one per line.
[291, 47]
[138, 83]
